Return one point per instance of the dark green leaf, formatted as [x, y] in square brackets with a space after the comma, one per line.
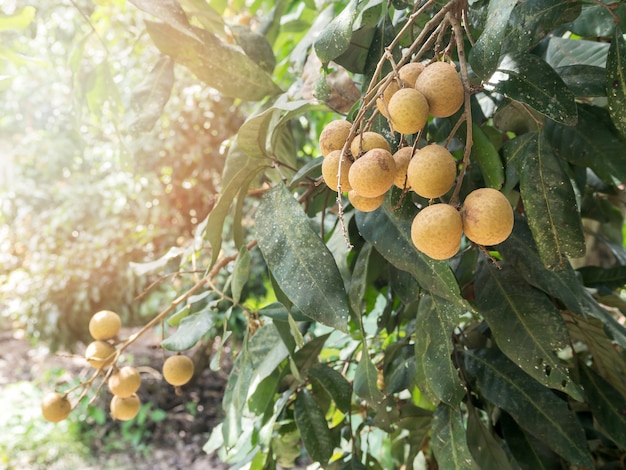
[550, 204]
[613, 278]
[358, 281]
[530, 80]
[485, 446]
[150, 96]
[263, 397]
[535, 408]
[219, 65]
[529, 452]
[607, 405]
[365, 382]
[399, 368]
[584, 81]
[354, 58]
[525, 325]
[436, 374]
[616, 81]
[278, 311]
[567, 51]
[485, 54]
[449, 441]
[335, 38]
[597, 20]
[190, 330]
[335, 384]
[313, 427]
[299, 260]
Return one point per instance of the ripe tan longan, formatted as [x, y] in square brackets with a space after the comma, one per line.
[334, 136]
[402, 158]
[99, 354]
[366, 141]
[125, 408]
[104, 325]
[178, 370]
[365, 204]
[432, 171]
[330, 169]
[124, 382]
[487, 217]
[55, 407]
[373, 173]
[441, 85]
[408, 111]
[408, 73]
[436, 231]
[383, 102]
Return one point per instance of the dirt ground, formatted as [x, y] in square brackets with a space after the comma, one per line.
[174, 442]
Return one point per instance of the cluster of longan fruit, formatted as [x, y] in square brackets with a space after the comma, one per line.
[368, 169]
[122, 382]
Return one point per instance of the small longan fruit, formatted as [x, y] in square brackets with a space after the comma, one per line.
[334, 136]
[104, 325]
[330, 169]
[99, 354]
[365, 204]
[487, 217]
[178, 370]
[366, 141]
[125, 408]
[55, 407]
[408, 73]
[436, 231]
[383, 102]
[408, 111]
[373, 173]
[431, 171]
[402, 159]
[440, 83]
[124, 382]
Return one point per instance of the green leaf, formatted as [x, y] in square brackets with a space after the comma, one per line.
[190, 330]
[219, 65]
[485, 54]
[597, 20]
[525, 325]
[535, 408]
[358, 281]
[299, 260]
[529, 452]
[391, 236]
[528, 79]
[449, 443]
[584, 81]
[616, 81]
[150, 96]
[241, 273]
[18, 20]
[335, 38]
[365, 382]
[334, 383]
[255, 46]
[566, 51]
[550, 203]
[613, 278]
[484, 445]
[399, 367]
[485, 154]
[607, 405]
[436, 374]
[311, 422]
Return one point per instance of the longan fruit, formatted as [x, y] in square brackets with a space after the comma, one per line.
[55, 407]
[104, 325]
[431, 171]
[487, 217]
[124, 382]
[334, 136]
[383, 102]
[178, 370]
[366, 141]
[408, 73]
[365, 204]
[408, 111]
[125, 408]
[99, 354]
[373, 173]
[402, 158]
[330, 168]
[441, 85]
[436, 231]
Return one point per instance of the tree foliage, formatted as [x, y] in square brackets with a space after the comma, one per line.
[363, 351]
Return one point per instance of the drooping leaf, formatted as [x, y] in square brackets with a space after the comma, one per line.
[241, 272]
[150, 96]
[485, 54]
[616, 81]
[535, 408]
[311, 422]
[190, 330]
[528, 79]
[335, 384]
[216, 63]
[485, 154]
[607, 405]
[335, 38]
[358, 281]
[449, 441]
[529, 452]
[436, 373]
[485, 446]
[567, 51]
[299, 260]
[525, 325]
[255, 46]
[365, 382]
[399, 367]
